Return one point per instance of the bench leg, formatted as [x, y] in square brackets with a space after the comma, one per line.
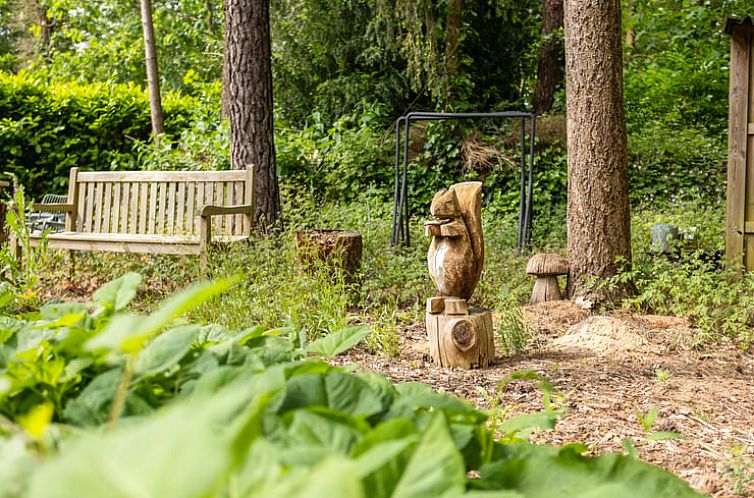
[71, 257]
[204, 262]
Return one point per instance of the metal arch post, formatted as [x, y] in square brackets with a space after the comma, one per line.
[529, 194]
[522, 191]
[397, 202]
[404, 187]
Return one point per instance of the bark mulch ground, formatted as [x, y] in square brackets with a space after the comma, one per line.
[606, 371]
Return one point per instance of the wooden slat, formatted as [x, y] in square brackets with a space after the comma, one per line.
[98, 201]
[143, 204]
[125, 200]
[219, 200]
[133, 209]
[152, 215]
[171, 208]
[190, 207]
[114, 227]
[161, 208]
[249, 198]
[162, 176]
[738, 127]
[200, 202]
[107, 211]
[89, 210]
[751, 128]
[238, 199]
[73, 199]
[180, 214]
[749, 239]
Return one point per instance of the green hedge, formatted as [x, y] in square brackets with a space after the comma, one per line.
[47, 128]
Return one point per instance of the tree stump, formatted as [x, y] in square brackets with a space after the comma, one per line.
[459, 337]
[334, 247]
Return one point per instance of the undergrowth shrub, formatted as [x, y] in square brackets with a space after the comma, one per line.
[692, 280]
[47, 128]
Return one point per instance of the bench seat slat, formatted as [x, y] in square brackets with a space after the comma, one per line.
[128, 242]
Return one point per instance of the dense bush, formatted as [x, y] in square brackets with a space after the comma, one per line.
[46, 129]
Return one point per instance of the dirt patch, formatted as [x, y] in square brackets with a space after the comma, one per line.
[601, 335]
[608, 382]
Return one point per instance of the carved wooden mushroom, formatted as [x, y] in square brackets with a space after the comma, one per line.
[546, 267]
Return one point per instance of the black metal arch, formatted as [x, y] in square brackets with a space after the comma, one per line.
[401, 213]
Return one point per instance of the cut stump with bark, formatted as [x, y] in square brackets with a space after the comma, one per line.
[459, 337]
[335, 247]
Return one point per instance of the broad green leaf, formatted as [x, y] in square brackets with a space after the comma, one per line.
[128, 333]
[165, 350]
[436, 467]
[54, 311]
[543, 472]
[334, 478]
[379, 456]
[338, 342]
[16, 465]
[323, 429]
[119, 293]
[184, 451]
[92, 405]
[527, 423]
[415, 397]
[8, 328]
[336, 390]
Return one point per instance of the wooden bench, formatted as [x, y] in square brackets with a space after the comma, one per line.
[169, 212]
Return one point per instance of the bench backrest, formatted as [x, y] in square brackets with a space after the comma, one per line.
[157, 202]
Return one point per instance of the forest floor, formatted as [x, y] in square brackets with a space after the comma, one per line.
[610, 371]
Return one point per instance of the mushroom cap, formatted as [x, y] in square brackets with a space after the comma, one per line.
[542, 264]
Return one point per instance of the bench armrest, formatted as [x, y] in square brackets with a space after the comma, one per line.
[53, 208]
[226, 210]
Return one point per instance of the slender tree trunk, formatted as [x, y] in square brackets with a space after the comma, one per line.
[225, 96]
[250, 85]
[550, 58]
[630, 31]
[211, 24]
[453, 22]
[45, 27]
[599, 229]
[153, 77]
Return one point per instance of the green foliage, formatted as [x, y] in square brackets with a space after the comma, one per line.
[512, 331]
[46, 129]
[239, 413]
[20, 277]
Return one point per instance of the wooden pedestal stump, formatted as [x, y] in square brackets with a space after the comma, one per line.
[459, 336]
[341, 247]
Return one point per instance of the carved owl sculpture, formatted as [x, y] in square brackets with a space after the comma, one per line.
[456, 254]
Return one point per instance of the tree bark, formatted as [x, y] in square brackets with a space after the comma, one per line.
[550, 57]
[153, 78]
[250, 107]
[599, 229]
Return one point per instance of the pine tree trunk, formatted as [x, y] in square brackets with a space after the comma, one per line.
[250, 105]
[153, 78]
[598, 211]
[550, 58]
